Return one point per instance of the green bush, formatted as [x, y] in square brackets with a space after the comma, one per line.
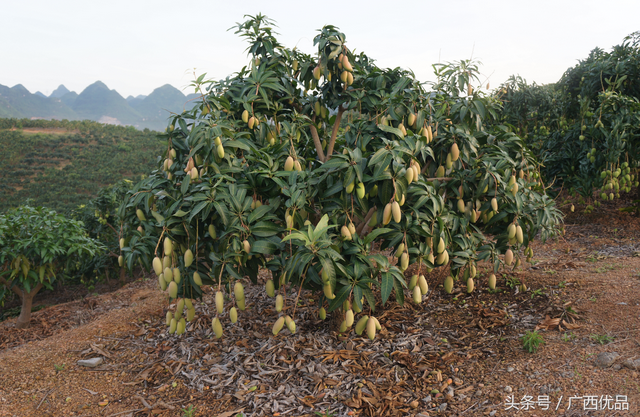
[37, 247]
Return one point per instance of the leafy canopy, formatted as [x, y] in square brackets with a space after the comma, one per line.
[37, 245]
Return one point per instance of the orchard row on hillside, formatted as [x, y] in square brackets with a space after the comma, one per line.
[62, 164]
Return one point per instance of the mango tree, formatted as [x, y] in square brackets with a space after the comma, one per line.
[585, 127]
[102, 222]
[308, 166]
[37, 245]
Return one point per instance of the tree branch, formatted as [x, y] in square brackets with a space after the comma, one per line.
[316, 140]
[365, 221]
[113, 228]
[13, 288]
[35, 290]
[334, 133]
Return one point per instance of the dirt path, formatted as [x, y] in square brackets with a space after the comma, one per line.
[49, 131]
[46, 369]
[458, 354]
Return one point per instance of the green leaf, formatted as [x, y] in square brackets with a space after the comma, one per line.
[379, 156]
[327, 265]
[336, 188]
[265, 229]
[321, 228]
[298, 236]
[237, 144]
[157, 216]
[186, 180]
[180, 213]
[399, 292]
[393, 130]
[336, 162]
[375, 233]
[386, 286]
[231, 271]
[258, 213]
[221, 209]
[340, 297]
[368, 294]
[357, 296]
[198, 208]
[381, 260]
[265, 247]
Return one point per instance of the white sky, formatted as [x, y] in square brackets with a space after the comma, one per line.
[134, 46]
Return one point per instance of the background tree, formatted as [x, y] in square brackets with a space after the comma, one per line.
[102, 223]
[300, 164]
[37, 246]
[584, 128]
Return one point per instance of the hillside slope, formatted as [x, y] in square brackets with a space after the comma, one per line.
[64, 164]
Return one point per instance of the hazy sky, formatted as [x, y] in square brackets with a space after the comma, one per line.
[134, 46]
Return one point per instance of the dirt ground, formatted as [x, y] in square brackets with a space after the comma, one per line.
[453, 355]
[50, 131]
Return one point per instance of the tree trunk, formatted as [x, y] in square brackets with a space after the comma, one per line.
[123, 278]
[24, 319]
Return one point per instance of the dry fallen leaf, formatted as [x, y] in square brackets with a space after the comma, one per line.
[570, 326]
[548, 323]
[231, 413]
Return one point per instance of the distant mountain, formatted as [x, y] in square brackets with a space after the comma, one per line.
[158, 106]
[17, 101]
[138, 97]
[60, 92]
[135, 101]
[98, 103]
[69, 98]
